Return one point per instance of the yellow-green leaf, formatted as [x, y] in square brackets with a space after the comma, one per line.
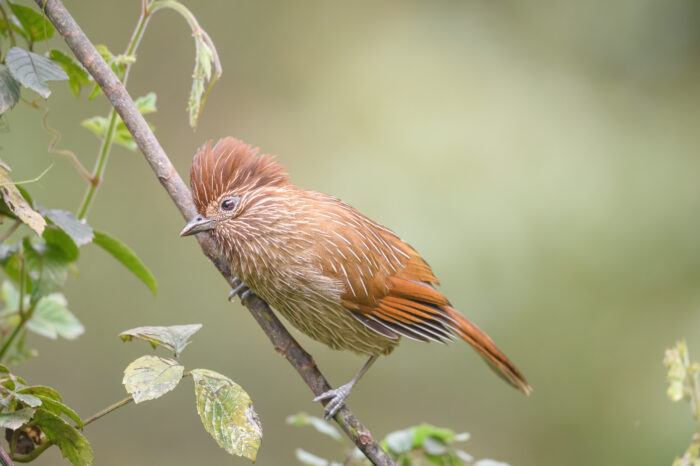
[227, 413]
[150, 377]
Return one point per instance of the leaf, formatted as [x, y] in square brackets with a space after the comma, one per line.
[17, 204]
[400, 441]
[425, 431]
[322, 426]
[309, 459]
[150, 377]
[42, 391]
[205, 57]
[57, 237]
[52, 318]
[174, 337]
[16, 419]
[36, 27]
[227, 413]
[33, 70]
[488, 462]
[47, 265]
[9, 90]
[80, 232]
[58, 408]
[126, 256]
[74, 446]
[98, 124]
[77, 75]
[29, 400]
[10, 295]
[147, 103]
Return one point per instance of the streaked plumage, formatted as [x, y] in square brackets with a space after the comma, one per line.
[336, 275]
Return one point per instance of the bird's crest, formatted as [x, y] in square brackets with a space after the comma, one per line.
[231, 165]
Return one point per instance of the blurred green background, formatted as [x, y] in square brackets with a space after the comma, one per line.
[541, 155]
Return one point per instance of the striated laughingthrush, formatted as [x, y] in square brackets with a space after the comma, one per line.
[336, 275]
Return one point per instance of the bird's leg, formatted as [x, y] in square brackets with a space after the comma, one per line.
[339, 394]
[238, 287]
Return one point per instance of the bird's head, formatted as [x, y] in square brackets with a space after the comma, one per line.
[231, 183]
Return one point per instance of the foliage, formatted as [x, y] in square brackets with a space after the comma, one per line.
[226, 410]
[684, 384]
[41, 247]
[421, 445]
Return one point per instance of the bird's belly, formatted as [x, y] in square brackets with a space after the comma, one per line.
[335, 326]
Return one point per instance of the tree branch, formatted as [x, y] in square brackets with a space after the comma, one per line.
[283, 342]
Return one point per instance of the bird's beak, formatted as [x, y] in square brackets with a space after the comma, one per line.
[197, 225]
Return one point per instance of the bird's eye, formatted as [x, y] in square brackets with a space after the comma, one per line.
[229, 204]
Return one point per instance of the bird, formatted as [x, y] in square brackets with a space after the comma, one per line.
[333, 273]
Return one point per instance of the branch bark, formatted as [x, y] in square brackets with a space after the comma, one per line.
[283, 342]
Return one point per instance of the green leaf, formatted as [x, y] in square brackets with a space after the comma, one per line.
[10, 295]
[147, 103]
[174, 337]
[14, 200]
[227, 413]
[322, 426]
[33, 70]
[150, 377]
[98, 124]
[126, 256]
[425, 431]
[35, 25]
[9, 90]
[52, 318]
[205, 57]
[16, 419]
[57, 237]
[79, 231]
[77, 75]
[58, 408]
[47, 265]
[74, 446]
[41, 391]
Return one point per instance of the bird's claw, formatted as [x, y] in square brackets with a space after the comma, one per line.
[337, 396]
[238, 287]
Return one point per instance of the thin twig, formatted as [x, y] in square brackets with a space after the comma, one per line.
[108, 410]
[302, 361]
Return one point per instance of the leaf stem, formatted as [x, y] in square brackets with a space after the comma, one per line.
[24, 317]
[10, 32]
[10, 230]
[34, 454]
[101, 162]
[108, 410]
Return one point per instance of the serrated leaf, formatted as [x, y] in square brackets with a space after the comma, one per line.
[14, 200]
[127, 257]
[227, 413]
[205, 58]
[174, 337]
[80, 232]
[74, 446]
[122, 136]
[33, 71]
[36, 27]
[322, 426]
[9, 90]
[77, 75]
[150, 377]
[16, 419]
[52, 318]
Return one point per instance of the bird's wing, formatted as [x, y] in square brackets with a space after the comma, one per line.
[390, 288]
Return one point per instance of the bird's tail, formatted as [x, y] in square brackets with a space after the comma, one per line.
[481, 342]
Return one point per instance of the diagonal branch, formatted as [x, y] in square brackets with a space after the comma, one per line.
[283, 342]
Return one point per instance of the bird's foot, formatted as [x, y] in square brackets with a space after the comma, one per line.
[239, 287]
[337, 396]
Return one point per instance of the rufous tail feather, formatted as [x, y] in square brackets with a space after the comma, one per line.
[488, 350]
